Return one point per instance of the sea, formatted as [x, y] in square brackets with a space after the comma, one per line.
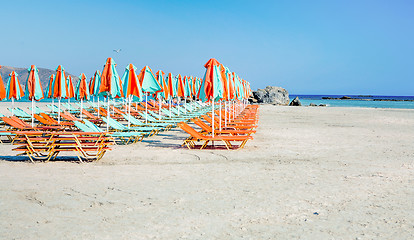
[366, 101]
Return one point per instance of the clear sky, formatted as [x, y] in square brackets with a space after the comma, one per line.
[307, 47]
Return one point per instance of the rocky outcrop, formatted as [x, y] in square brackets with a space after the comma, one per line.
[295, 102]
[271, 95]
[44, 75]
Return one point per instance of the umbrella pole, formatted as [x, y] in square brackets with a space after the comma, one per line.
[81, 109]
[53, 104]
[59, 111]
[146, 108]
[225, 114]
[129, 111]
[212, 117]
[159, 107]
[32, 112]
[220, 116]
[107, 115]
[178, 104]
[98, 106]
[169, 107]
[12, 106]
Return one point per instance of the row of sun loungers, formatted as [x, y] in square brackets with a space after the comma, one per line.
[70, 129]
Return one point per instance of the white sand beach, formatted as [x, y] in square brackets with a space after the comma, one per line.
[309, 173]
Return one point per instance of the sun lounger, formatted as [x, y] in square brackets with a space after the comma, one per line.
[123, 137]
[208, 129]
[137, 122]
[119, 127]
[19, 112]
[196, 136]
[44, 146]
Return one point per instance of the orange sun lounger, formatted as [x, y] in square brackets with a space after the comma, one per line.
[39, 145]
[208, 129]
[196, 136]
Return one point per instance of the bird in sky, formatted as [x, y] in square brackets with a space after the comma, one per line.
[117, 50]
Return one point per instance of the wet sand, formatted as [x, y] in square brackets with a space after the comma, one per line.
[309, 173]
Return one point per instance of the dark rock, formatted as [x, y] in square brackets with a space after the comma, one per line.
[272, 95]
[322, 105]
[313, 105]
[44, 75]
[345, 97]
[295, 102]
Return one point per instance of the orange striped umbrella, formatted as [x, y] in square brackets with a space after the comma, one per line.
[2, 89]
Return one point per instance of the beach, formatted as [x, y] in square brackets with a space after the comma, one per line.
[309, 173]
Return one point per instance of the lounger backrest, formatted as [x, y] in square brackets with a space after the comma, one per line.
[21, 122]
[202, 124]
[49, 118]
[83, 127]
[92, 125]
[42, 120]
[133, 120]
[117, 110]
[88, 114]
[12, 123]
[184, 126]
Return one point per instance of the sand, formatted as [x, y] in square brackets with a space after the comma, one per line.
[310, 173]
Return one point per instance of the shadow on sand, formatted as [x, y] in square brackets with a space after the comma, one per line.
[27, 159]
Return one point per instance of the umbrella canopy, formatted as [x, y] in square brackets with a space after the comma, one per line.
[2, 89]
[14, 89]
[197, 87]
[50, 86]
[180, 86]
[95, 83]
[34, 89]
[187, 87]
[82, 91]
[172, 87]
[69, 84]
[163, 83]
[130, 82]
[148, 82]
[60, 89]
[110, 84]
[224, 83]
[211, 87]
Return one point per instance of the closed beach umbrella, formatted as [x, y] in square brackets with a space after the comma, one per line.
[131, 86]
[164, 85]
[180, 87]
[2, 89]
[14, 90]
[49, 86]
[59, 88]
[49, 89]
[71, 89]
[110, 85]
[34, 89]
[149, 85]
[211, 86]
[172, 89]
[164, 92]
[82, 91]
[94, 85]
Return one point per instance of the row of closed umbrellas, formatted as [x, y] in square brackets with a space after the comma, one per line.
[218, 84]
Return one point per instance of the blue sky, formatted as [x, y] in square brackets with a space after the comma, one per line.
[307, 47]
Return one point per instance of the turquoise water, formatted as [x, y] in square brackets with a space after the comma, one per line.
[368, 102]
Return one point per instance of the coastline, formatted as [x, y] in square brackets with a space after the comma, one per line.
[333, 172]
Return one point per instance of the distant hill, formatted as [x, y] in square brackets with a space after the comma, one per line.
[44, 75]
